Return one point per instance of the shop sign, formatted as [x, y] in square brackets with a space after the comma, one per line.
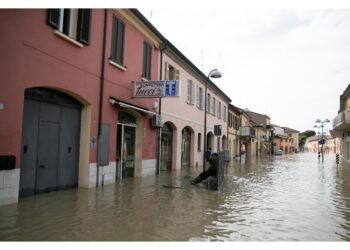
[152, 89]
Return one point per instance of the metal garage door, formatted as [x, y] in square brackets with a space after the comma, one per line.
[50, 142]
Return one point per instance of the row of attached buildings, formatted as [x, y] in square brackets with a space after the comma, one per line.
[341, 125]
[331, 145]
[254, 135]
[71, 114]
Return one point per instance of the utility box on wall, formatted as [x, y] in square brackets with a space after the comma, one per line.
[103, 146]
[7, 162]
[156, 121]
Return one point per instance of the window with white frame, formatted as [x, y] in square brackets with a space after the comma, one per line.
[74, 23]
[219, 109]
[171, 73]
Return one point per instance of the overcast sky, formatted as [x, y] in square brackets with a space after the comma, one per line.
[291, 64]
[288, 59]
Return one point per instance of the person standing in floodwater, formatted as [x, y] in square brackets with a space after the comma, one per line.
[212, 170]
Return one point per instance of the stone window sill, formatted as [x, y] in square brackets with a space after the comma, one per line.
[117, 65]
[68, 39]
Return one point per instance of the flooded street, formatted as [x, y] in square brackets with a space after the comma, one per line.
[285, 198]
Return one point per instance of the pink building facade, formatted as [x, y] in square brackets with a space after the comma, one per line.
[67, 109]
[282, 142]
[183, 116]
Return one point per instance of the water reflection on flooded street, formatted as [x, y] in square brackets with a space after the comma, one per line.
[287, 198]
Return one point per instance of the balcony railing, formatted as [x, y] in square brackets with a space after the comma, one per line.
[247, 131]
[342, 120]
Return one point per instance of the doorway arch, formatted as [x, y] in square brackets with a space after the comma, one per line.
[50, 141]
[186, 147]
[166, 147]
[210, 141]
[126, 145]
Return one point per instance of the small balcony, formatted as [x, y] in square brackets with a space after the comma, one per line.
[342, 121]
[247, 131]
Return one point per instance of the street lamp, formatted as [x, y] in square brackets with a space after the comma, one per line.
[213, 74]
[322, 122]
[318, 139]
[272, 138]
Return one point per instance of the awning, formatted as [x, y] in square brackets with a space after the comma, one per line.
[113, 101]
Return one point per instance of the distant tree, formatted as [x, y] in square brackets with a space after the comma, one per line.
[309, 133]
[304, 135]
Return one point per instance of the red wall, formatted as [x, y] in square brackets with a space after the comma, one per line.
[33, 56]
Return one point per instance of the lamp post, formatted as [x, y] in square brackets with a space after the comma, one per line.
[318, 139]
[272, 138]
[322, 122]
[213, 74]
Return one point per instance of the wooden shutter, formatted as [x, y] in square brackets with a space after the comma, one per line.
[114, 39]
[188, 91]
[167, 71]
[193, 92]
[84, 23]
[144, 61]
[66, 22]
[148, 61]
[120, 43]
[177, 74]
[146, 69]
[53, 18]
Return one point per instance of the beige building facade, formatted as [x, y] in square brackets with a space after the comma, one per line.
[261, 124]
[341, 125]
[234, 122]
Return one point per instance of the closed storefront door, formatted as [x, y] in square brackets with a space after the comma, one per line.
[50, 142]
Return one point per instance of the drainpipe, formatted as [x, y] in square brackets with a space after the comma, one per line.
[159, 141]
[101, 92]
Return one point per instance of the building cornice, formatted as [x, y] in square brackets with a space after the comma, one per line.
[140, 24]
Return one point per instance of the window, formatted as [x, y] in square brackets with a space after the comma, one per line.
[200, 97]
[213, 111]
[171, 73]
[117, 50]
[224, 113]
[146, 69]
[219, 109]
[74, 23]
[229, 120]
[199, 144]
[190, 92]
[207, 108]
